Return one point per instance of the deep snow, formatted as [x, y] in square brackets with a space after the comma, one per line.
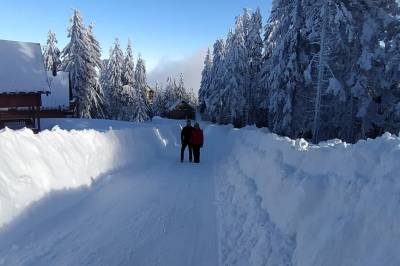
[286, 202]
[121, 197]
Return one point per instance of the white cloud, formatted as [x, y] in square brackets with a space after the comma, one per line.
[190, 66]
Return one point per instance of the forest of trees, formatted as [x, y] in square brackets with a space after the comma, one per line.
[113, 88]
[319, 69]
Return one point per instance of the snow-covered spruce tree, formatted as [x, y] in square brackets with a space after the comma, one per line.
[99, 105]
[235, 78]
[118, 99]
[103, 80]
[95, 47]
[78, 61]
[282, 72]
[205, 82]
[192, 98]
[51, 54]
[373, 97]
[128, 72]
[391, 94]
[178, 90]
[182, 92]
[169, 97]
[212, 99]
[141, 104]
[159, 102]
[330, 33]
[254, 46]
[246, 18]
[388, 16]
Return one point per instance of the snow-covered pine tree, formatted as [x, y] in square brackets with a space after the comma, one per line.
[115, 91]
[377, 22]
[254, 46]
[169, 96]
[213, 101]
[183, 93]
[103, 71]
[282, 72]
[141, 104]
[96, 49]
[99, 105]
[51, 54]
[128, 72]
[391, 95]
[78, 61]
[159, 104]
[236, 77]
[103, 80]
[205, 82]
[193, 100]
[247, 22]
[329, 31]
[178, 89]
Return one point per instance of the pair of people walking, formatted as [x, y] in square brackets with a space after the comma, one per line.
[193, 139]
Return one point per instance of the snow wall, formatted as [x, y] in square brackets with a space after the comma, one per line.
[33, 165]
[285, 202]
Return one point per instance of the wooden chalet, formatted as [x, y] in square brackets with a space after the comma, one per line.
[181, 110]
[26, 94]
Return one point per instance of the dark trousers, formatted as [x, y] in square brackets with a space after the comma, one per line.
[196, 153]
[184, 145]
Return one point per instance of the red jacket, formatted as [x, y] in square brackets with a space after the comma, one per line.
[197, 137]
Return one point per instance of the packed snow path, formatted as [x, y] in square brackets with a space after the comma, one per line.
[159, 213]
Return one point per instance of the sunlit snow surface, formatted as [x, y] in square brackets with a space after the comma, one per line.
[115, 193]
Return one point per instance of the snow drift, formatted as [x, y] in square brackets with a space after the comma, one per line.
[33, 165]
[285, 202]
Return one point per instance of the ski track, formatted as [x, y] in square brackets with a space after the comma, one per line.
[164, 215]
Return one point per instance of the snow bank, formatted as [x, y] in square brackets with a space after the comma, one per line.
[285, 202]
[32, 165]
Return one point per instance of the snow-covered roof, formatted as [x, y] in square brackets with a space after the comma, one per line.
[177, 103]
[174, 105]
[59, 91]
[21, 67]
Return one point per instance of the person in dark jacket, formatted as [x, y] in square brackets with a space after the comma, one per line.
[186, 134]
[197, 141]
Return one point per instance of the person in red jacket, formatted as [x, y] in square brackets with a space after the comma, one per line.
[197, 140]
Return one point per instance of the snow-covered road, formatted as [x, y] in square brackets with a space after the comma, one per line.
[121, 197]
[161, 213]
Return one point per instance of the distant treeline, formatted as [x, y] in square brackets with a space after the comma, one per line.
[114, 88]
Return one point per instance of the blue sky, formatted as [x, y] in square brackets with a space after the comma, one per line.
[160, 30]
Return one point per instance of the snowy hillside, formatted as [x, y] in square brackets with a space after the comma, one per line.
[120, 196]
